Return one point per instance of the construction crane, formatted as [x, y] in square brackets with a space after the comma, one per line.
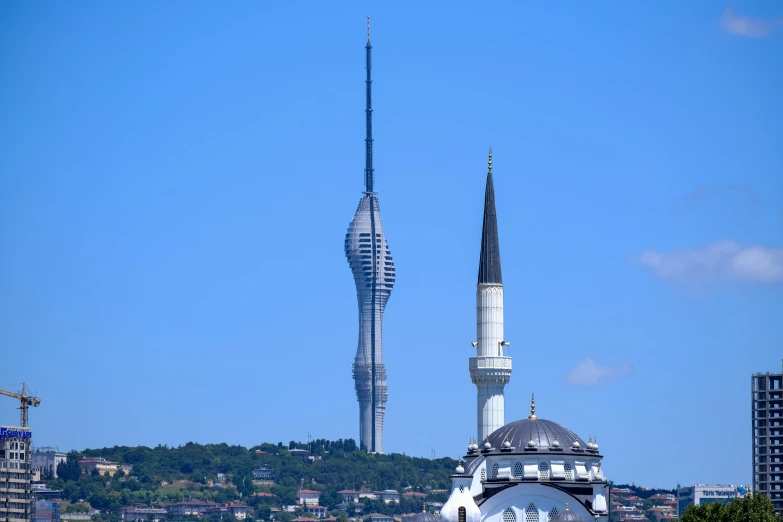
[26, 402]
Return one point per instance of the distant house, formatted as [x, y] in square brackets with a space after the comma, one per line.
[238, 511]
[134, 513]
[663, 498]
[308, 497]
[318, 511]
[414, 494]
[377, 517]
[348, 495]
[104, 467]
[191, 507]
[262, 473]
[263, 494]
[388, 496]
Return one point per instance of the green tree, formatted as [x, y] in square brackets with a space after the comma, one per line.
[752, 508]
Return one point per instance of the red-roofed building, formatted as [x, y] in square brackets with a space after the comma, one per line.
[308, 497]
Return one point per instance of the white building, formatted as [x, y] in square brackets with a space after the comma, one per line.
[46, 461]
[702, 494]
[308, 497]
[530, 470]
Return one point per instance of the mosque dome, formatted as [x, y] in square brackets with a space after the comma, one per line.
[541, 432]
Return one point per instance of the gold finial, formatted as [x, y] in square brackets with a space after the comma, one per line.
[489, 161]
[533, 408]
[566, 505]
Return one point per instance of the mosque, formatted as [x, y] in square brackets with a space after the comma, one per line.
[530, 470]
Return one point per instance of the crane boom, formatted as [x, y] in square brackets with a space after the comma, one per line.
[25, 402]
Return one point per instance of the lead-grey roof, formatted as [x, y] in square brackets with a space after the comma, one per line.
[489, 262]
[567, 516]
[425, 516]
[543, 433]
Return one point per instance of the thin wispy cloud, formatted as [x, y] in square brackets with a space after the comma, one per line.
[749, 26]
[588, 372]
[721, 261]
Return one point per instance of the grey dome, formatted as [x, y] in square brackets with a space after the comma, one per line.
[567, 516]
[425, 516]
[543, 433]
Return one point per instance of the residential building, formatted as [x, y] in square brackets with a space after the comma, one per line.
[46, 461]
[78, 517]
[238, 511]
[767, 420]
[388, 496]
[46, 511]
[414, 494]
[190, 507]
[308, 497]
[104, 467]
[318, 511]
[348, 495]
[702, 494]
[377, 517]
[134, 513]
[262, 473]
[15, 476]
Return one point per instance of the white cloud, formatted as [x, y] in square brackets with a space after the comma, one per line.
[587, 372]
[721, 261]
[747, 25]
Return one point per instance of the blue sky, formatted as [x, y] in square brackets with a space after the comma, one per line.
[176, 180]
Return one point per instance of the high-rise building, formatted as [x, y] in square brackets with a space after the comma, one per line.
[766, 392]
[373, 273]
[490, 370]
[15, 477]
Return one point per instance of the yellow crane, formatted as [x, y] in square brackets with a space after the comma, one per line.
[26, 401]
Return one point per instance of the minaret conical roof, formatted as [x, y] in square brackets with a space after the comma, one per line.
[489, 262]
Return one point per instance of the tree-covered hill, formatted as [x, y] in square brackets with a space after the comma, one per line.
[164, 474]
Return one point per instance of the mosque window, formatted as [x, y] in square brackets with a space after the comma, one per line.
[531, 513]
[462, 489]
[552, 513]
[543, 471]
[494, 471]
[483, 474]
[462, 515]
[509, 516]
[569, 472]
[519, 470]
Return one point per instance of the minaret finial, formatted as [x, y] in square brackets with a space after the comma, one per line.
[489, 160]
[533, 408]
[566, 505]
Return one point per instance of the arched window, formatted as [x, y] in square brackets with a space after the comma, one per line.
[494, 471]
[552, 513]
[531, 513]
[509, 516]
[462, 515]
[483, 474]
[569, 472]
[519, 470]
[543, 471]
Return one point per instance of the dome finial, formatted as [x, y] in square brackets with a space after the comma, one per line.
[566, 505]
[424, 507]
[533, 408]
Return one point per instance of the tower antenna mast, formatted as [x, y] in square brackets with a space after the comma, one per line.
[368, 170]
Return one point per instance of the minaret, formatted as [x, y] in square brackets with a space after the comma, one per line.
[490, 370]
[373, 273]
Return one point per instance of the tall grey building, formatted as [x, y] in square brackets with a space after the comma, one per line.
[767, 417]
[15, 488]
[373, 273]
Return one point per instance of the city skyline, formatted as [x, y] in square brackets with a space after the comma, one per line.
[176, 183]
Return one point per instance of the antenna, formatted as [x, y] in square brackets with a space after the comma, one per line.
[368, 170]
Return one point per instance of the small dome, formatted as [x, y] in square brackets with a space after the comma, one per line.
[425, 516]
[595, 444]
[506, 443]
[530, 443]
[555, 443]
[460, 470]
[567, 516]
[487, 444]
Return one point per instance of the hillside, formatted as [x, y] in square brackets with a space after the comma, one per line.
[164, 475]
